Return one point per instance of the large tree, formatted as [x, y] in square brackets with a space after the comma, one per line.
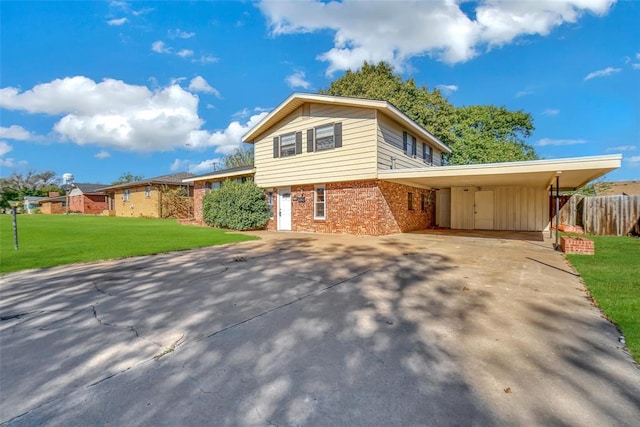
[476, 134]
[242, 156]
[126, 178]
[17, 185]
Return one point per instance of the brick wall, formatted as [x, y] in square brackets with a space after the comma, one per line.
[395, 214]
[361, 208]
[577, 245]
[139, 204]
[93, 204]
[353, 207]
[199, 192]
[50, 208]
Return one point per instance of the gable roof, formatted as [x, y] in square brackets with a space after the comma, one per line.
[296, 100]
[224, 173]
[171, 179]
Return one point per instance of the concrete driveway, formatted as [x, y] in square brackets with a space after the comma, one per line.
[302, 329]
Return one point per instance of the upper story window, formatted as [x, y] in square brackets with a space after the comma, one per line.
[147, 191]
[287, 145]
[427, 153]
[409, 144]
[325, 137]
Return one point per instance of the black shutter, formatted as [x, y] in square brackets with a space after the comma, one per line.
[430, 155]
[298, 142]
[404, 142]
[337, 135]
[425, 149]
[414, 146]
[309, 140]
[276, 147]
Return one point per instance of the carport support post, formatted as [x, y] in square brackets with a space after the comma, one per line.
[551, 211]
[557, 209]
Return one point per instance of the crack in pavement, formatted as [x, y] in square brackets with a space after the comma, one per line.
[296, 300]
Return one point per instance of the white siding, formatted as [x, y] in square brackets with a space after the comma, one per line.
[355, 160]
[515, 208]
[462, 208]
[390, 144]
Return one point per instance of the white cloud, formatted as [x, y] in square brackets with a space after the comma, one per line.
[634, 160]
[524, 92]
[9, 162]
[160, 47]
[622, 148]
[551, 112]
[102, 154]
[177, 33]
[199, 84]
[229, 139]
[17, 132]
[396, 31]
[559, 142]
[635, 66]
[114, 114]
[447, 89]
[185, 53]
[142, 11]
[5, 148]
[296, 80]
[602, 73]
[205, 59]
[117, 22]
[197, 168]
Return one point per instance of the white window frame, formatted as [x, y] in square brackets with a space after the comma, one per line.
[269, 196]
[126, 196]
[325, 139]
[147, 191]
[290, 145]
[322, 203]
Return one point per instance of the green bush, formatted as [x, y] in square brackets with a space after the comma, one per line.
[238, 206]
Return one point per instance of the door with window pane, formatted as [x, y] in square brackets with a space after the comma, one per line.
[284, 209]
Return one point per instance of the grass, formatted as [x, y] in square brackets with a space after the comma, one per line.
[613, 278]
[50, 240]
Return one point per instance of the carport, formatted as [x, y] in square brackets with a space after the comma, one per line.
[513, 196]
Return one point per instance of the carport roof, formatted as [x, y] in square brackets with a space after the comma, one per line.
[573, 172]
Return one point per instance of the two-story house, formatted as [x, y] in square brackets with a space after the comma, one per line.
[358, 166]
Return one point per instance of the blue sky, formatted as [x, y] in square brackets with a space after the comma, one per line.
[98, 89]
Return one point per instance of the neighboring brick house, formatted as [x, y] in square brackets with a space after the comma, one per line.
[87, 198]
[359, 166]
[54, 204]
[147, 198]
[204, 184]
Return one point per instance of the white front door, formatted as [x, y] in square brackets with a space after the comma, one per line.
[284, 209]
[483, 212]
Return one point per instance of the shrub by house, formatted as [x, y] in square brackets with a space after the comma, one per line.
[238, 206]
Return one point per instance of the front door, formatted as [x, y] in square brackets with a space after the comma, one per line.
[483, 212]
[284, 209]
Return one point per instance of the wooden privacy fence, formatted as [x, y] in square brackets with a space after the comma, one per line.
[603, 215]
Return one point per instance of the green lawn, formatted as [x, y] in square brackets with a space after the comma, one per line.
[49, 240]
[613, 277]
